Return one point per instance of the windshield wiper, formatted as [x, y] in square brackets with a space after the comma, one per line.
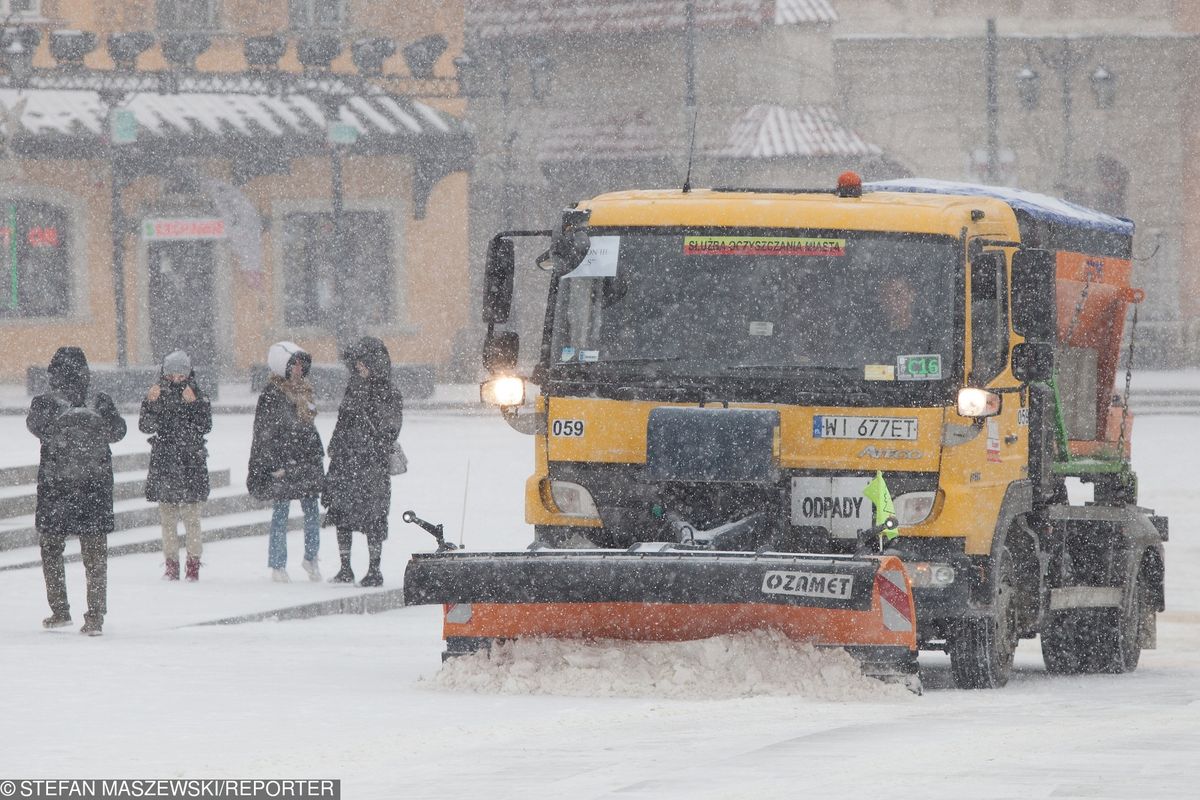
[796, 367]
[631, 360]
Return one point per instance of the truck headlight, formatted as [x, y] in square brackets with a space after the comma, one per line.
[573, 500]
[914, 508]
[978, 403]
[926, 575]
[505, 390]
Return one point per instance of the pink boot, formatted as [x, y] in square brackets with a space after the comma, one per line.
[172, 573]
[193, 569]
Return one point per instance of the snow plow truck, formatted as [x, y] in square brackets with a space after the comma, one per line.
[851, 415]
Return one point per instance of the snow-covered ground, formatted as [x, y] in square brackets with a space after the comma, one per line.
[363, 698]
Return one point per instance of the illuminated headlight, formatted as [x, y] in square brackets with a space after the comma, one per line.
[914, 508]
[506, 390]
[572, 499]
[978, 403]
[925, 575]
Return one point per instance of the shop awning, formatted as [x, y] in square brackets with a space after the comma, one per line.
[759, 132]
[769, 131]
[73, 123]
[505, 19]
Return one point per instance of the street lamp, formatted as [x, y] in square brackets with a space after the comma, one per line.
[1104, 85]
[540, 73]
[1065, 59]
[1029, 87]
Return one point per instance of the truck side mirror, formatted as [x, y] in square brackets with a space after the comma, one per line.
[498, 280]
[500, 351]
[1033, 361]
[1034, 295]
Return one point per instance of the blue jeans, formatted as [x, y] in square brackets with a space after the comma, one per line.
[277, 546]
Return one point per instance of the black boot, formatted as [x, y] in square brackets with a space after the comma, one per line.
[345, 574]
[375, 551]
[93, 625]
[59, 619]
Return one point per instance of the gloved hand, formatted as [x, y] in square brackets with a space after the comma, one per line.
[104, 405]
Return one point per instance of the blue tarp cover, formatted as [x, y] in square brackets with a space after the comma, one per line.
[1038, 206]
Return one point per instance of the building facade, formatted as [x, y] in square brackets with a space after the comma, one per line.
[202, 215]
[1093, 102]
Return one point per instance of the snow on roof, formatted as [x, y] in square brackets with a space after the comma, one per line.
[1038, 206]
[495, 19]
[795, 12]
[623, 138]
[81, 113]
[768, 131]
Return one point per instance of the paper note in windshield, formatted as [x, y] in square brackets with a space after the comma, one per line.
[601, 258]
[762, 246]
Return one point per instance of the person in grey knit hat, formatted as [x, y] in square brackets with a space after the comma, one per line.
[178, 416]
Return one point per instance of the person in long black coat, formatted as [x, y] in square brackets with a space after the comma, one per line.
[358, 488]
[75, 483]
[287, 459]
[179, 416]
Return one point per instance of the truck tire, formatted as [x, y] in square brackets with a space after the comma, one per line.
[1118, 645]
[1097, 639]
[1066, 638]
[982, 648]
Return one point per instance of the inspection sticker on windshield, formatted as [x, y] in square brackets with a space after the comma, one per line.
[567, 354]
[808, 584]
[827, 426]
[879, 372]
[919, 367]
[762, 246]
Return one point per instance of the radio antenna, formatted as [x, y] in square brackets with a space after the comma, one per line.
[687, 180]
[462, 525]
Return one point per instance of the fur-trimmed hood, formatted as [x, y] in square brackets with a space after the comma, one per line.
[282, 354]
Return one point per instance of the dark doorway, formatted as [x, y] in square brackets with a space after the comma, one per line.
[181, 300]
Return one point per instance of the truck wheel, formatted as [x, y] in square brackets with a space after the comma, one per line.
[1118, 644]
[982, 648]
[1098, 639]
[1065, 641]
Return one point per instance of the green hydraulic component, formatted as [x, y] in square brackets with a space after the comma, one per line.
[1070, 466]
[1060, 422]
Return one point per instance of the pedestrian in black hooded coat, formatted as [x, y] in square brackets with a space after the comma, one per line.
[75, 483]
[358, 487]
[178, 415]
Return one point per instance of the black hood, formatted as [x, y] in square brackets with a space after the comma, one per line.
[69, 375]
[374, 354]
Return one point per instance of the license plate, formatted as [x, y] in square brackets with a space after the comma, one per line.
[828, 426]
[835, 504]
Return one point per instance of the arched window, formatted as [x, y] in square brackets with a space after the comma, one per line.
[34, 244]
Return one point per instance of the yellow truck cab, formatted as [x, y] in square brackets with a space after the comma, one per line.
[728, 369]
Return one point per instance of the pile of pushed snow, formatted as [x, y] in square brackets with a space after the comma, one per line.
[739, 665]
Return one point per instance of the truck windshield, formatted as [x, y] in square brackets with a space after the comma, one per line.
[865, 306]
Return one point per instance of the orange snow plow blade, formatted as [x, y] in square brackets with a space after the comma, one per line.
[863, 604]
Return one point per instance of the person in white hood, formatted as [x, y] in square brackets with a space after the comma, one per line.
[287, 459]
